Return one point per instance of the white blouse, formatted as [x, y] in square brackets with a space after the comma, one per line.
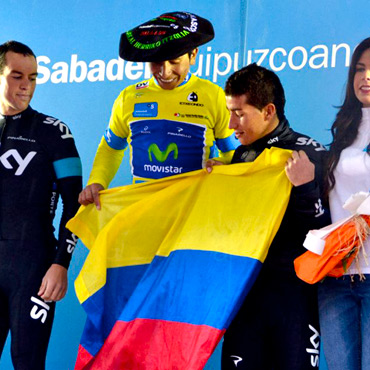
[352, 175]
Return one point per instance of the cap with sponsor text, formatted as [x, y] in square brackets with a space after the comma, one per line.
[165, 38]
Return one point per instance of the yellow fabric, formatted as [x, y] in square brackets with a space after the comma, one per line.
[236, 209]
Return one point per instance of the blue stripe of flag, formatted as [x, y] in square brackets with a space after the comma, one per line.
[190, 286]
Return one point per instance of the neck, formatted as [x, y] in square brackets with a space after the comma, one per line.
[274, 123]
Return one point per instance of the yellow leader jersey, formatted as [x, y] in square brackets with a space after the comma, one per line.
[169, 131]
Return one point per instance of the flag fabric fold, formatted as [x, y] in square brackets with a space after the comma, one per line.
[332, 249]
[171, 261]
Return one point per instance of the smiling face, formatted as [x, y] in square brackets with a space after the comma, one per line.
[17, 83]
[361, 81]
[250, 123]
[171, 73]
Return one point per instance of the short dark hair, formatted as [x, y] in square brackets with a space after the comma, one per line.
[260, 85]
[15, 47]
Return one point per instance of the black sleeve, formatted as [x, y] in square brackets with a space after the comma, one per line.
[307, 199]
[68, 179]
[69, 189]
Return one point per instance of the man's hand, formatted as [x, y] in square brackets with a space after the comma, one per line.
[54, 284]
[212, 162]
[299, 169]
[91, 195]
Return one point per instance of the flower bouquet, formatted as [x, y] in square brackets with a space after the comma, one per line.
[332, 249]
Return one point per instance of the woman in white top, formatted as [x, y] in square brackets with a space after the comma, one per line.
[344, 303]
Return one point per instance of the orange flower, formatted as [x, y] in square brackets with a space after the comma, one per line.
[342, 246]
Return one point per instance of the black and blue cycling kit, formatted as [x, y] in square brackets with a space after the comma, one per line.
[277, 326]
[38, 163]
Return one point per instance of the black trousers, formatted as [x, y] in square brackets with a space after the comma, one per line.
[276, 328]
[22, 312]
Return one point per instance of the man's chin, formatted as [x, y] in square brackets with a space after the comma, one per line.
[167, 85]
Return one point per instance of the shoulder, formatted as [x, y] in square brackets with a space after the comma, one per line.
[134, 90]
[313, 148]
[244, 153]
[141, 85]
[52, 127]
[211, 94]
[297, 141]
[306, 142]
[206, 84]
[137, 87]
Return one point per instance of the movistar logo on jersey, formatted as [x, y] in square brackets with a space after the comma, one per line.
[162, 156]
[163, 148]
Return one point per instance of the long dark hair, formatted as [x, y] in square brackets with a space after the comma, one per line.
[347, 121]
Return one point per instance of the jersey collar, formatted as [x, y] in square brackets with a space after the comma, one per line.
[18, 116]
[187, 78]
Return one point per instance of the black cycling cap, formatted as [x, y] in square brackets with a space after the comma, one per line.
[166, 37]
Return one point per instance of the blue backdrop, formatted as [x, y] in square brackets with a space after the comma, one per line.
[308, 43]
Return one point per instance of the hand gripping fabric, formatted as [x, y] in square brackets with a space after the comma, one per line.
[171, 261]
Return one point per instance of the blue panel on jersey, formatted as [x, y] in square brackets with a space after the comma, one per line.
[213, 152]
[227, 144]
[146, 110]
[114, 141]
[67, 167]
[163, 148]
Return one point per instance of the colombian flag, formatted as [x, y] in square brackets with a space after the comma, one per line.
[171, 261]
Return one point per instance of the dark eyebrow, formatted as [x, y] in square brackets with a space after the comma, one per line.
[21, 73]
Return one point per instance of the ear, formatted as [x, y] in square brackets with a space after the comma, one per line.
[269, 111]
[193, 56]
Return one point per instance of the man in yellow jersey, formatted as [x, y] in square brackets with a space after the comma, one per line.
[173, 122]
